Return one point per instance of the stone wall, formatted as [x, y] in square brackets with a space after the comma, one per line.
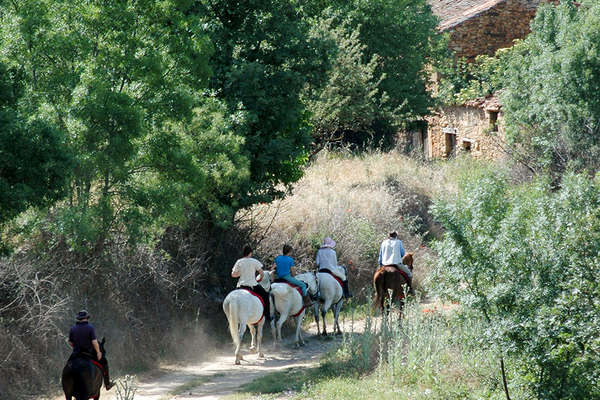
[460, 129]
[492, 28]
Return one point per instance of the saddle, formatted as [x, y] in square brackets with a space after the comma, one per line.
[337, 278]
[395, 267]
[280, 280]
[252, 292]
[298, 288]
[88, 356]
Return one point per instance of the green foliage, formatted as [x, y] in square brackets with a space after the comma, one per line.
[263, 60]
[34, 161]
[379, 51]
[552, 96]
[403, 35]
[527, 260]
[461, 81]
[112, 75]
[348, 102]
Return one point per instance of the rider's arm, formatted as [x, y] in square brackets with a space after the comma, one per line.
[97, 348]
[235, 271]
[261, 273]
[292, 272]
[380, 251]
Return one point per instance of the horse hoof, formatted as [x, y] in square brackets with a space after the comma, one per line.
[252, 349]
[324, 334]
[261, 355]
[237, 362]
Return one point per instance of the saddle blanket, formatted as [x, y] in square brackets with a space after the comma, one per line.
[337, 278]
[338, 271]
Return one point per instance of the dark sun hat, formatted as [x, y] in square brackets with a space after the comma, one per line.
[83, 314]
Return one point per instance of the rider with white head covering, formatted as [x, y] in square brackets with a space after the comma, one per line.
[327, 259]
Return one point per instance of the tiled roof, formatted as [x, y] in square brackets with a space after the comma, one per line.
[453, 12]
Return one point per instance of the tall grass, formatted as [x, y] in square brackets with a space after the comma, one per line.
[426, 355]
[357, 200]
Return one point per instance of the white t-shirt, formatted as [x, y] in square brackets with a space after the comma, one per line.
[247, 267]
[391, 252]
[326, 258]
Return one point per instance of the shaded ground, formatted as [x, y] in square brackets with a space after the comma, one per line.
[220, 377]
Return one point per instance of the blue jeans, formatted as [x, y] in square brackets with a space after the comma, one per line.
[296, 282]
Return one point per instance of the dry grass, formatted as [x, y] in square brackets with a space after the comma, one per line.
[356, 201]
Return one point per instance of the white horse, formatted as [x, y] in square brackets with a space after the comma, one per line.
[245, 309]
[288, 302]
[330, 294]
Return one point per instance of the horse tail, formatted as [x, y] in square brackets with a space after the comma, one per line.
[232, 313]
[272, 308]
[380, 285]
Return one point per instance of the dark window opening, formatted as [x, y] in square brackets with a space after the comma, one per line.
[466, 145]
[450, 144]
[493, 121]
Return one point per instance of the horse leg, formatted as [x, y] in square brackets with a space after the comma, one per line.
[280, 321]
[323, 314]
[299, 318]
[238, 352]
[316, 312]
[259, 338]
[252, 329]
[336, 313]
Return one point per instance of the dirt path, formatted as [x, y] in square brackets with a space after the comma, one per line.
[220, 377]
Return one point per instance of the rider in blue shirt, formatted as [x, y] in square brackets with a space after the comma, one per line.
[284, 267]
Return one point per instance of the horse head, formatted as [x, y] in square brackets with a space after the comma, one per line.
[266, 281]
[310, 278]
[408, 260]
[101, 344]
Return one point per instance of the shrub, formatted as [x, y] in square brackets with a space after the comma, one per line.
[526, 259]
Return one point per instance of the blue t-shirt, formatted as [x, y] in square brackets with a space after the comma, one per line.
[283, 265]
[81, 335]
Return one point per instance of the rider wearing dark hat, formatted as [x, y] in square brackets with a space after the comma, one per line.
[82, 338]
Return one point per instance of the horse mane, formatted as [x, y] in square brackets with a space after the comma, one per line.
[408, 259]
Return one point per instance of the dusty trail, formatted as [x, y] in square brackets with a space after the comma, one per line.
[220, 377]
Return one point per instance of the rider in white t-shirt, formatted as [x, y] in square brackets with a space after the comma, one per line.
[246, 269]
[391, 253]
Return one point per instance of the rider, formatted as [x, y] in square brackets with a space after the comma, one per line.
[284, 266]
[327, 259]
[391, 253]
[82, 338]
[246, 268]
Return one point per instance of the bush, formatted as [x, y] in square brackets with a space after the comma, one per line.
[526, 259]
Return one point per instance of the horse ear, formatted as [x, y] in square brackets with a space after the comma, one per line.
[103, 340]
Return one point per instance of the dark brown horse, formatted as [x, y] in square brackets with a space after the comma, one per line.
[82, 378]
[389, 278]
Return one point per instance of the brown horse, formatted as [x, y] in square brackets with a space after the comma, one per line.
[388, 277]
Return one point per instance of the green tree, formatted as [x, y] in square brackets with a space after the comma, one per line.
[35, 163]
[527, 260]
[403, 35]
[263, 59]
[348, 102]
[110, 74]
[552, 93]
[379, 74]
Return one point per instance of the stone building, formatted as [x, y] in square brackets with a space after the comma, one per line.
[483, 26]
[475, 27]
